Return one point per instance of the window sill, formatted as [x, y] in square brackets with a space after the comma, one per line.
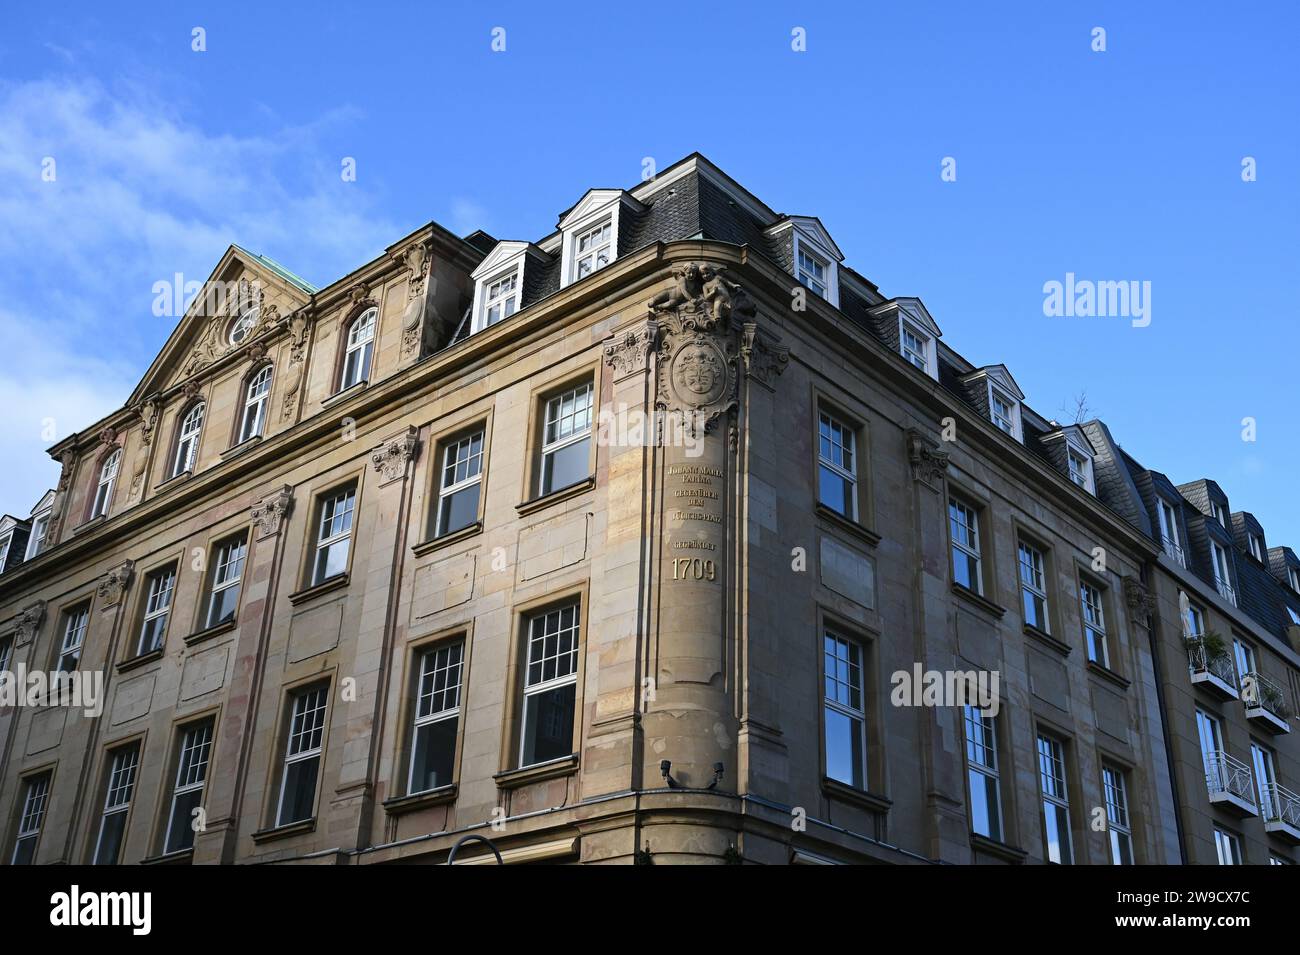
[345, 394]
[285, 831]
[174, 479]
[89, 524]
[246, 445]
[993, 847]
[1107, 673]
[446, 540]
[426, 800]
[853, 527]
[324, 587]
[979, 600]
[1064, 649]
[563, 494]
[210, 632]
[538, 772]
[842, 791]
[145, 658]
[179, 857]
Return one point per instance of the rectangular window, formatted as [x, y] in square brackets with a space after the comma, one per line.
[302, 755]
[187, 794]
[461, 484]
[915, 347]
[1243, 655]
[1293, 575]
[812, 272]
[566, 439]
[157, 608]
[1211, 736]
[1117, 820]
[4, 551]
[550, 685]
[1220, 513]
[1261, 759]
[74, 636]
[1002, 412]
[227, 575]
[1195, 622]
[593, 250]
[1056, 802]
[501, 299]
[6, 650]
[963, 527]
[437, 716]
[1228, 847]
[837, 466]
[36, 542]
[1033, 587]
[333, 535]
[1094, 624]
[117, 804]
[36, 795]
[845, 711]
[1080, 469]
[1169, 538]
[1256, 548]
[982, 774]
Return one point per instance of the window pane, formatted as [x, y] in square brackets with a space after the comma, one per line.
[1056, 823]
[434, 752]
[180, 831]
[459, 509]
[844, 756]
[984, 814]
[548, 724]
[836, 492]
[299, 790]
[224, 604]
[110, 839]
[566, 466]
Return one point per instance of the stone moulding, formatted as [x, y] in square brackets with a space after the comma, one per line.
[113, 585]
[28, 622]
[391, 457]
[270, 512]
[628, 351]
[929, 463]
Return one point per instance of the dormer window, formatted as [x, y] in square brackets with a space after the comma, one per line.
[915, 346]
[1002, 411]
[814, 256]
[1256, 547]
[812, 272]
[1294, 614]
[107, 479]
[1294, 576]
[593, 250]
[1220, 513]
[499, 282]
[1170, 540]
[360, 349]
[40, 527]
[502, 298]
[590, 232]
[1080, 469]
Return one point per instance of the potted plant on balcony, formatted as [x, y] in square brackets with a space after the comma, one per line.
[1274, 701]
[1211, 642]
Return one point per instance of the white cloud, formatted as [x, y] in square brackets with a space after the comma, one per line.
[140, 193]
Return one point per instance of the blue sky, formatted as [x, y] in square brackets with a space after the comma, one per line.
[1120, 165]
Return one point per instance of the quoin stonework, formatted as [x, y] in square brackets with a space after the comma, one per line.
[366, 574]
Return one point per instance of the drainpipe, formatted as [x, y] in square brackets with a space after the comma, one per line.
[1153, 628]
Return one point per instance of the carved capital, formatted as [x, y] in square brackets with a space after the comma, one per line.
[391, 457]
[1139, 600]
[28, 622]
[270, 512]
[628, 351]
[148, 411]
[764, 360]
[113, 585]
[928, 462]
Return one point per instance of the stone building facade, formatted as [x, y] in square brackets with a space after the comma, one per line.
[666, 538]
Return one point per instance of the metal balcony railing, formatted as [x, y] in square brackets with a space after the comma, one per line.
[1259, 690]
[1223, 774]
[1280, 805]
[1174, 551]
[1199, 660]
[1226, 591]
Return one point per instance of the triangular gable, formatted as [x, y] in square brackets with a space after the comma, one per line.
[44, 504]
[504, 253]
[812, 227]
[200, 337]
[593, 201]
[1001, 377]
[913, 309]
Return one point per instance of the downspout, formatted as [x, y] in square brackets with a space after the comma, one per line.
[1153, 626]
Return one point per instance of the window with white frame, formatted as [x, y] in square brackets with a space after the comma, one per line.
[107, 480]
[243, 326]
[837, 466]
[1094, 623]
[1057, 846]
[1117, 820]
[1219, 558]
[437, 717]
[1033, 587]
[36, 541]
[1293, 576]
[1228, 847]
[812, 272]
[6, 652]
[550, 685]
[193, 755]
[1169, 536]
[1243, 655]
[257, 397]
[964, 530]
[1003, 411]
[157, 608]
[593, 249]
[461, 484]
[1220, 513]
[845, 710]
[1256, 547]
[566, 439]
[1194, 620]
[1262, 760]
[1210, 733]
[5, 542]
[117, 804]
[360, 349]
[75, 622]
[187, 440]
[501, 300]
[333, 534]
[227, 576]
[36, 794]
[302, 755]
[915, 346]
[1080, 468]
[982, 774]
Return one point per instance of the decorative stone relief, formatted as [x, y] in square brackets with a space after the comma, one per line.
[764, 360]
[113, 585]
[28, 622]
[928, 462]
[270, 512]
[299, 325]
[1138, 599]
[628, 351]
[391, 457]
[417, 258]
[148, 411]
[214, 342]
[108, 436]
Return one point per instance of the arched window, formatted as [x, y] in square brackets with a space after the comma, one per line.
[256, 398]
[187, 440]
[360, 348]
[107, 480]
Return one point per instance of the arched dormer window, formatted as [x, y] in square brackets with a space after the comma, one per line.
[360, 349]
[107, 481]
[187, 440]
[257, 398]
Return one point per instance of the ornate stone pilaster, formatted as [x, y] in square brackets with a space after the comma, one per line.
[269, 513]
[28, 622]
[764, 360]
[418, 259]
[391, 457]
[1138, 599]
[928, 462]
[628, 350]
[299, 324]
[112, 586]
